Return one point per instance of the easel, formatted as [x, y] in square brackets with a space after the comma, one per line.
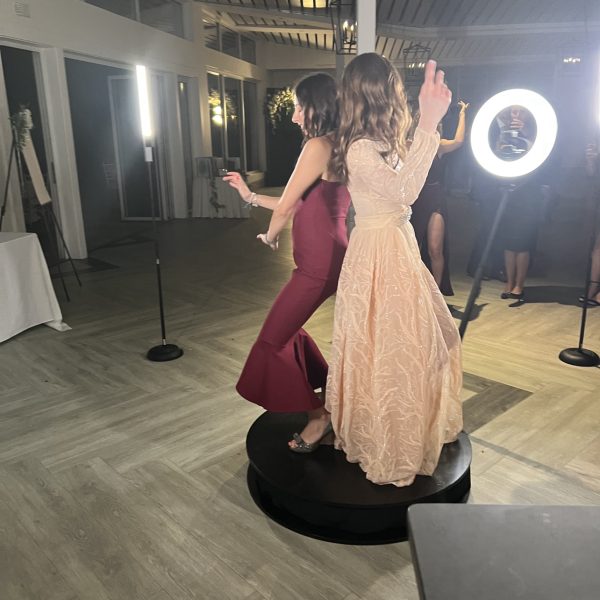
[50, 221]
[22, 144]
[11, 157]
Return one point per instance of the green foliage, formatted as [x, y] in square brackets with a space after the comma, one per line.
[21, 123]
[280, 106]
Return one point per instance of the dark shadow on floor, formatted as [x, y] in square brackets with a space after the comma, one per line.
[458, 312]
[491, 399]
[83, 265]
[553, 294]
[128, 240]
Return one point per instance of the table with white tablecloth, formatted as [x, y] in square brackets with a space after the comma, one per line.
[27, 297]
[231, 205]
[213, 197]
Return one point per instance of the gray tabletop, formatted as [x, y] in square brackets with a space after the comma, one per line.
[479, 552]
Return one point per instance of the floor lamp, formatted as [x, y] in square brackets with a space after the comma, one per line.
[163, 352]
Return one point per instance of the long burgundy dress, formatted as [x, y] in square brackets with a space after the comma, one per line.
[285, 365]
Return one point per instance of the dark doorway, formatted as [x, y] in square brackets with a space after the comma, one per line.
[97, 139]
[19, 69]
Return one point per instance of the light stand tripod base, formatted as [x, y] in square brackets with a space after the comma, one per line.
[164, 353]
[579, 357]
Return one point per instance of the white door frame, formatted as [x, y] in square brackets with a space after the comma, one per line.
[164, 115]
[14, 219]
[222, 75]
[55, 103]
[118, 165]
[166, 157]
[53, 98]
[39, 82]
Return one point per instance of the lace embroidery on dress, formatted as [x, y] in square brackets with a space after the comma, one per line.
[395, 373]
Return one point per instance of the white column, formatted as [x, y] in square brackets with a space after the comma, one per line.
[13, 218]
[261, 93]
[175, 158]
[189, 22]
[198, 94]
[67, 204]
[204, 114]
[367, 23]
[596, 78]
[340, 64]
[194, 116]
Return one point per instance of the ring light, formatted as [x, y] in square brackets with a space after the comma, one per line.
[546, 124]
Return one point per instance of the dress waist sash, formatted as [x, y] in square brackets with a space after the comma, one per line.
[384, 220]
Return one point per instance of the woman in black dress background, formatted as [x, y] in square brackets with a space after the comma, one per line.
[429, 215]
[519, 227]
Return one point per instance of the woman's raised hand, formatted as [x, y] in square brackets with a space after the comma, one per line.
[235, 180]
[434, 98]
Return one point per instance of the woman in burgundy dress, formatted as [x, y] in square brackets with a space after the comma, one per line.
[430, 211]
[285, 366]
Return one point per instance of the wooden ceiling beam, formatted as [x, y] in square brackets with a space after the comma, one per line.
[519, 29]
[320, 23]
[283, 29]
[316, 18]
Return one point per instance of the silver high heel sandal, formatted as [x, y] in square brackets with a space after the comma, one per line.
[303, 447]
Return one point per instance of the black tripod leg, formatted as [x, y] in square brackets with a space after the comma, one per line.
[164, 352]
[49, 224]
[580, 356]
[476, 287]
[64, 244]
[13, 151]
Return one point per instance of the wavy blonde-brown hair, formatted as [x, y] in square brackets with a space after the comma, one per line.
[373, 105]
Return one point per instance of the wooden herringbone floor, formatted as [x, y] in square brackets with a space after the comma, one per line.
[124, 479]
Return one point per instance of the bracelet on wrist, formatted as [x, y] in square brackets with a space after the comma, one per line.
[252, 199]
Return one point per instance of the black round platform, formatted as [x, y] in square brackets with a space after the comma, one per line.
[322, 495]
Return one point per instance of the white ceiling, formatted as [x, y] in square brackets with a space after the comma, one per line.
[457, 31]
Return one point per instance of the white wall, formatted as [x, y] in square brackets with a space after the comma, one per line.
[13, 218]
[294, 57]
[79, 30]
[78, 27]
[288, 64]
[288, 77]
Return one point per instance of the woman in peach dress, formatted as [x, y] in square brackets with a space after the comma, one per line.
[395, 375]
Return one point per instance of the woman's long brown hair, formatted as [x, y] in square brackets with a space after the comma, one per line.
[317, 95]
[373, 105]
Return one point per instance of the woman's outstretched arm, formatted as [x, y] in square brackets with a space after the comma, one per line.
[235, 180]
[459, 136]
[311, 165]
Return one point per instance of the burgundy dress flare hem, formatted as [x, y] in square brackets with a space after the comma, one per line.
[285, 366]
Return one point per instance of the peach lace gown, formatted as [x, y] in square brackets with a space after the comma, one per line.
[395, 374]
